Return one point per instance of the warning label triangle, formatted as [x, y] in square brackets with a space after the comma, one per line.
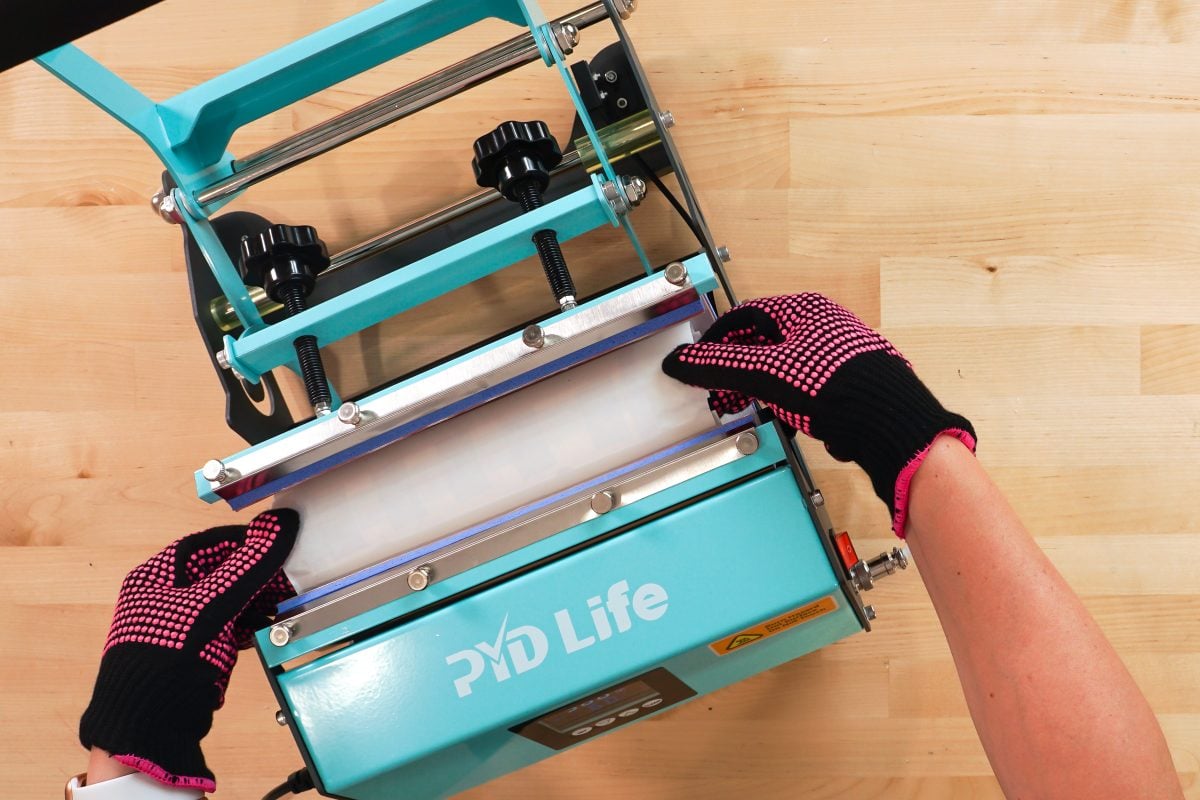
[743, 639]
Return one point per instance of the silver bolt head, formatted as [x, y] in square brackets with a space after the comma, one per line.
[902, 556]
[676, 274]
[418, 579]
[534, 337]
[622, 102]
[870, 612]
[818, 499]
[322, 409]
[626, 8]
[604, 502]
[280, 634]
[667, 119]
[350, 413]
[611, 76]
[746, 443]
[635, 188]
[723, 254]
[214, 471]
[566, 36]
[164, 204]
[222, 359]
[280, 718]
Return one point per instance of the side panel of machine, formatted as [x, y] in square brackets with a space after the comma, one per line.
[424, 709]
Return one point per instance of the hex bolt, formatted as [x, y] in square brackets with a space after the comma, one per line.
[164, 204]
[281, 633]
[676, 274]
[869, 611]
[723, 254]
[566, 36]
[350, 414]
[285, 260]
[419, 578]
[281, 718]
[611, 76]
[516, 159]
[534, 337]
[818, 499]
[667, 119]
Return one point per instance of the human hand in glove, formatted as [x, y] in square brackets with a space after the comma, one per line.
[180, 620]
[824, 372]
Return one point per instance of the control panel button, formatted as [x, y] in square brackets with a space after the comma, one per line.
[629, 712]
[652, 703]
[604, 723]
[582, 731]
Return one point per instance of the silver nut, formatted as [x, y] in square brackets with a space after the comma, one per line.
[281, 634]
[622, 102]
[676, 274]
[667, 119]
[280, 718]
[222, 359]
[723, 254]
[567, 303]
[214, 471]
[534, 337]
[164, 204]
[566, 36]
[870, 612]
[616, 200]
[611, 76]
[419, 578]
[626, 8]
[604, 502]
[635, 188]
[322, 409]
[746, 443]
[350, 414]
[818, 499]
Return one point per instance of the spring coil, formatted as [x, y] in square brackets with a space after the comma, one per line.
[529, 194]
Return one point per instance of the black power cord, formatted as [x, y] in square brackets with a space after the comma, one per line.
[299, 781]
[674, 201]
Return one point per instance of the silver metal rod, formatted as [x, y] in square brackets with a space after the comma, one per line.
[382, 111]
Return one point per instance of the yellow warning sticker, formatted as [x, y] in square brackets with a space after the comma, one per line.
[765, 630]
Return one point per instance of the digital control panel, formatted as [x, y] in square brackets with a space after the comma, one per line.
[606, 710]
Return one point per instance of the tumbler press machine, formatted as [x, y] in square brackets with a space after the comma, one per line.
[525, 545]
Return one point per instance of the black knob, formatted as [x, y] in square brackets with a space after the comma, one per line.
[514, 153]
[283, 256]
[285, 260]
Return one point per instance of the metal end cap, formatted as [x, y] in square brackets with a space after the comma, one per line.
[534, 337]
[566, 36]
[214, 471]
[676, 274]
[350, 413]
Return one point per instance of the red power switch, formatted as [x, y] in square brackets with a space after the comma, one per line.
[845, 549]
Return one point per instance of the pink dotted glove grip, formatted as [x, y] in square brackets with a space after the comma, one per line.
[180, 620]
[824, 372]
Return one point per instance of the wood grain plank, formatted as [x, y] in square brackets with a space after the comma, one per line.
[1171, 359]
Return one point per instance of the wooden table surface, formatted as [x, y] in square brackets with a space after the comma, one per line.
[1010, 189]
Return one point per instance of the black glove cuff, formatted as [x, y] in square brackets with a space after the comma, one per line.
[155, 704]
[876, 412]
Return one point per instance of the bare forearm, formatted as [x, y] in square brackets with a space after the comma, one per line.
[1058, 713]
[103, 767]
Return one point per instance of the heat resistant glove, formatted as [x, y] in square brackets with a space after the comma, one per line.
[180, 620]
[821, 370]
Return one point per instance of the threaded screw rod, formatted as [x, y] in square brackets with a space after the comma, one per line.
[312, 369]
[529, 195]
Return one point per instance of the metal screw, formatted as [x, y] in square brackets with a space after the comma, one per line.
[870, 612]
[222, 359]
[566, 36]
[676, 274]
[534, 337]
[280, 718]
[622, 102]
[281, 633]
[615, 201]
[611, 76]
[746, 443]
[723, 254]
[667, 119]
[350, 413]
[214, 471]
[626, 8]
[818, 499]
[164, 204]
[635, 188]
[604, 502]
[419, 578]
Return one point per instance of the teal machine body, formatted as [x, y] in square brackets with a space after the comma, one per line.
[696, 553]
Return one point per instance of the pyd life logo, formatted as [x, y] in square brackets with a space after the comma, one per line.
[518, 650]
